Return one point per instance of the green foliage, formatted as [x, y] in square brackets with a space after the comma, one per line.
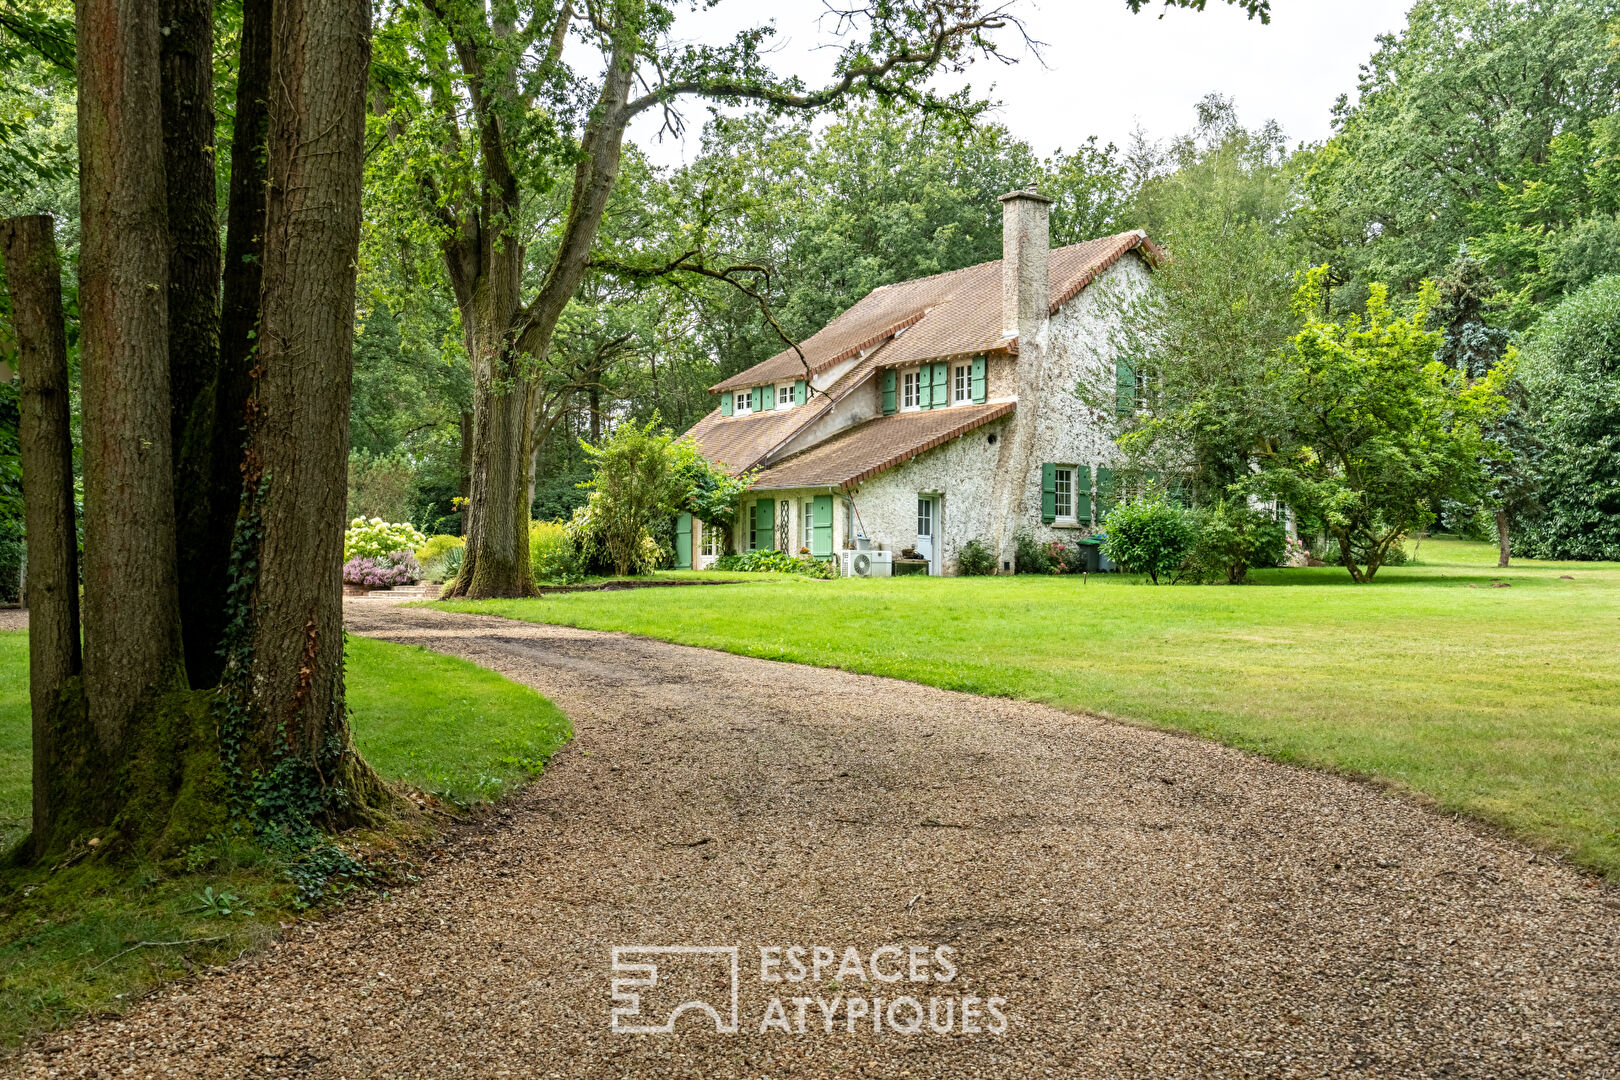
[1378, 429]
[380, 485]
[1229, 539]
[770, 561]
[1030, 556]
[220, 905]
[634, 484]
[554, 557]
[11, 495]
[711, 493]
[1200, 340]
[374, 538]
[975, 559]
[1481, 119]
[435, 546]
[880, 195]
[1571, 371]
[1148, 535]
[447, 567]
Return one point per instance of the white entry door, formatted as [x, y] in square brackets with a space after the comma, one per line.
[927, 526]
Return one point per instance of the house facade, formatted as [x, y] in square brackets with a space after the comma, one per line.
[937, 411]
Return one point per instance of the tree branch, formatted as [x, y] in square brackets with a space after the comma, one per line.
[691, 262]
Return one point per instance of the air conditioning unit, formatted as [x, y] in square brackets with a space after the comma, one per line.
[868, 564]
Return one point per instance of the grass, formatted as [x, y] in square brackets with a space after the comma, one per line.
[446, 725]
[1503, 703]
[437, 723]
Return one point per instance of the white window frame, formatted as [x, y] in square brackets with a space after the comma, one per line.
[962, 384]
[807, 513]
[743, 402]
[708, 534]
[784, 397]
[911, 390]
[1065, 475]
[926, 502]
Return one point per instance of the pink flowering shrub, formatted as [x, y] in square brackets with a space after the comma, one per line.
[400, 568]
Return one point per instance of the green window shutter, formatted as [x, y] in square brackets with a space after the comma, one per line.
[925, 387]
[1048, 492]
[942, 385]
[764, 525]
[798, 392]
[821, 525]
[980, 389]
[1105, 491]
[1124, 388]
[1082, 494]
[725, 403]
[683, 542]
[888, 391]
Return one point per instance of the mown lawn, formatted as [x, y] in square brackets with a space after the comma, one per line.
[438, 723]
[1495, 693]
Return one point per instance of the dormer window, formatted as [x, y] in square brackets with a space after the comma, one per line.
[784, 397]
[743, 402]
[911, 390]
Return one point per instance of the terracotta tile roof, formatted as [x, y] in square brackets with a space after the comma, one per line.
[742, 442]
[865, 450]
[942, 316]
[738, 442]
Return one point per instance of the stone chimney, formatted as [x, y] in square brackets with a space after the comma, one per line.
[1026, 294]
[1026, 255]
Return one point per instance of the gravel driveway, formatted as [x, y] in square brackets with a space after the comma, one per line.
[1141, 904]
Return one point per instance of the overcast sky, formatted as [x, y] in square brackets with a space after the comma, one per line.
[1106, 70]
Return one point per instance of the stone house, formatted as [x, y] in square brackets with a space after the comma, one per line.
[937, 411]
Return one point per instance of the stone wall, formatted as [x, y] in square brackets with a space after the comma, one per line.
[1068, 431]
[959, 472]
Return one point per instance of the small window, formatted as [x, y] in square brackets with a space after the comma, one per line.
[925, 518]
[963, 384]
[744, 401]
[807, 514]
[849, 523]
[710, 533]
[911, 398]
[1064, 488]
[784, 397]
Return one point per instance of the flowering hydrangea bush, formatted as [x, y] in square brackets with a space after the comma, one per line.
[374, 538]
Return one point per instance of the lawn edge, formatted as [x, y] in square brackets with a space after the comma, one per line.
[1532, 843]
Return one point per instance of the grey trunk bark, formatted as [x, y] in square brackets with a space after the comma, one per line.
[131, 626]
[45, 438]
[1502, 538]
[291, 675]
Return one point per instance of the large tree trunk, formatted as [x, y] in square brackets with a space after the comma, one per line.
[45, 438]
[1502, 546]
[289, 668]
[188, 155]
[497, 516]
[131, 629]
[510, 341]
